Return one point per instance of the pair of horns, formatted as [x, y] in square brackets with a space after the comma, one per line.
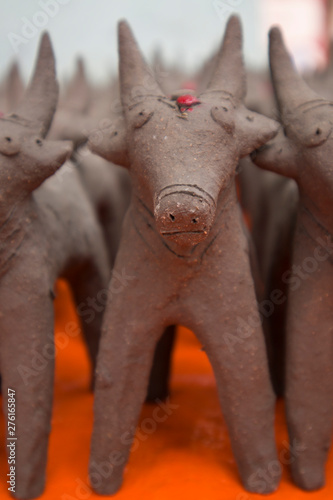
[41, 97]
[229, 74]
[134, 72]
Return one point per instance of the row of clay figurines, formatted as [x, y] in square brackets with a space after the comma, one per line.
[185, 249]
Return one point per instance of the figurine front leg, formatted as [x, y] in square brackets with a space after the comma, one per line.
[27, 367]
[131, 330]
[229, 328]
[309, 377]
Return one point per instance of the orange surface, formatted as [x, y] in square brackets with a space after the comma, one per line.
[186, 457]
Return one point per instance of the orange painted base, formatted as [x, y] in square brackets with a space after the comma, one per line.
[187, 456]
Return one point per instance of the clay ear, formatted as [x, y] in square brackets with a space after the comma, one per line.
[224, 117]
[278, 155]
[40, 100]
[316, 134]
[110, 142]
[140, 118]
[254, 130]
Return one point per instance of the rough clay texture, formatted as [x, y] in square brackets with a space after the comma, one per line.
[48, 229]
[109, 189]
[269, 202]
[303, 151]
[184, 247]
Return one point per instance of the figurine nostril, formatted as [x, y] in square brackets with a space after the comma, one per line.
[194, 221]
[8, 139]
[172, 217]
[39, 142]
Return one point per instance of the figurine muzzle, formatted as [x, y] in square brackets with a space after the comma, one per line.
[184, 214]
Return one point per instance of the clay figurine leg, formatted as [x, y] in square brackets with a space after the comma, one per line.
[309, 377]
[89, 285]
[111, 222]
[158, 387]
[233, 340]
[27, 367]
[130, 334]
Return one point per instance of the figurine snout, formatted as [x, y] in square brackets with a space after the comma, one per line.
[9, 146]
[184, 216]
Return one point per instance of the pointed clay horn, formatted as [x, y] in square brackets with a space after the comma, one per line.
[40, 100]
[290, 89]
[229, 74]
[14, 87]
[136, 78]
[78, 95]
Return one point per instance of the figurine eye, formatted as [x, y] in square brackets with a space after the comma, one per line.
[316, 134]
[221, 116]
[39, 142]
[141, 118]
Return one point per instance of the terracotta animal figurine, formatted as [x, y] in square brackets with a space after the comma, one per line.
[303, 151]
[184, 243]
[48, 229]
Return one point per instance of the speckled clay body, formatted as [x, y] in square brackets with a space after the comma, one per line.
[109, 189]
[47, 229]
[303, 151]
[184, 246]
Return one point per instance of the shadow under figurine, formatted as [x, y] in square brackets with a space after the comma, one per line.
[184, 245]
[48, 230]
[303, 151]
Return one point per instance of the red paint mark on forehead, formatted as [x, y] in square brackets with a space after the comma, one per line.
[1, 114]
[187, 100]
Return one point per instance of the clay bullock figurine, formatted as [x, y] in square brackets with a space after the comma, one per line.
[304, 152]
[184, 243]
[46, 231]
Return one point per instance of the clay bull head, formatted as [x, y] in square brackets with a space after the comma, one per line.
[180, 162]
[303, 148]
[26, 160]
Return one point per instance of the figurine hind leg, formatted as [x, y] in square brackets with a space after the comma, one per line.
[89, 284]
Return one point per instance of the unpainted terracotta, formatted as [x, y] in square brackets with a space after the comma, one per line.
[109, 189]
[303, 151]
[269, 202]
[184, 244]
[48, 229]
